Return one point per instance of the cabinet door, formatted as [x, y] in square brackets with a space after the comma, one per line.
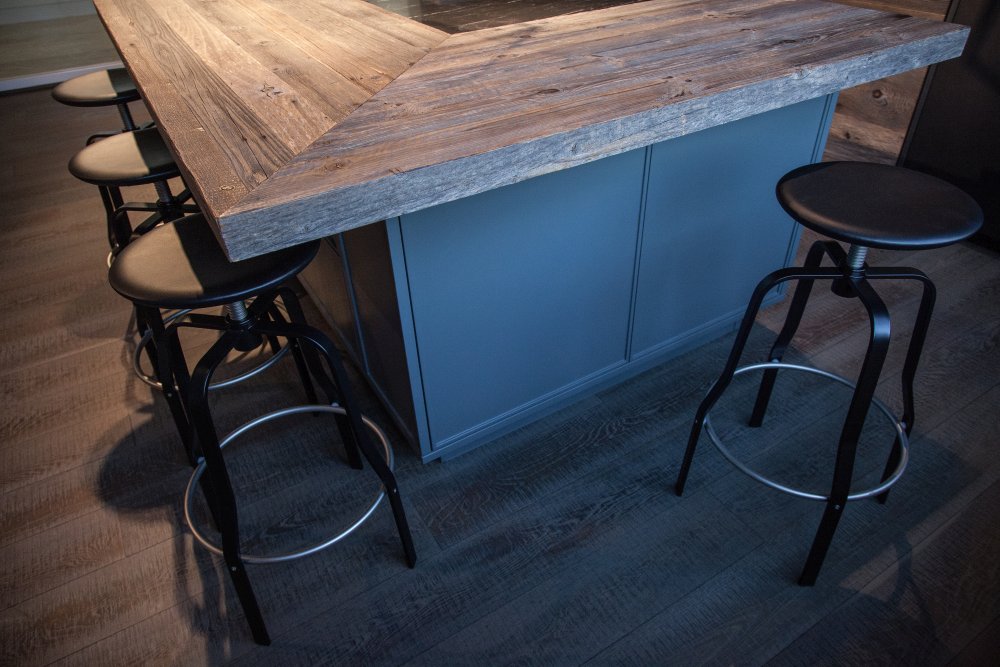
[712, 227]
[521, 292]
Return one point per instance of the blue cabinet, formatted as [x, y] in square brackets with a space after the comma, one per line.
[712, 226]
[474, 317]
[519, 292]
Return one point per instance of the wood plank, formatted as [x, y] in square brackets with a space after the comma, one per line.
[930, 9]
[754, 610]
[235, 109]
[61, 621]
[469, 16]
[568, 617]
[475, 578]
[293, 119]
[871, 120]
[983, 649]
[50, 560]
[909, 598]
[266, 102]
[545, 102]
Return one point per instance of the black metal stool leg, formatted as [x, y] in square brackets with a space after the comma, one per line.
[221, 485]
[119, 229]
[166, 359]
[128, 124]
[915, 349]
[168, 344]
[325, 346]
[332, 390]
[871, 369]
[792, 320]
[166, 202]
[913, 352]
[300, 361]
[746, 325]
[274, 313]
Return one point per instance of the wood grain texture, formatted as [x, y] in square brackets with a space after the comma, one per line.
[239, 88]
[412, 119]
[928, 9]
[872, 119]
[466, 16]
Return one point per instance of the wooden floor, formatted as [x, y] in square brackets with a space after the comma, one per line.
[37, 47]
[559, 544]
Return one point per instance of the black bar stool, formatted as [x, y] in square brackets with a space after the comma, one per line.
[131, 159]
[181, 266]
[100, 89]
[867, 206]
[125, 160]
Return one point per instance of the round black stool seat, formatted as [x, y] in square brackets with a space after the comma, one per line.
[182, 265]
[129, 158]
[97, 89]
[879, 206]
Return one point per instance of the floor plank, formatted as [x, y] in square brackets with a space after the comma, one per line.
[932, 599]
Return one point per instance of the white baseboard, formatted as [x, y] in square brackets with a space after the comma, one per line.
[51, 78]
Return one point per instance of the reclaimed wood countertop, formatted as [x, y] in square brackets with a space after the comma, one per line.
[297, 119]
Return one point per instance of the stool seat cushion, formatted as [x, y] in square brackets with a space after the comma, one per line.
[129, 158]
[879, 206]
[182, 265]
[97, 89]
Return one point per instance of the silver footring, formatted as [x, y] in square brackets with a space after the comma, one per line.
[218, 384]
[868, 493]
[306, 551]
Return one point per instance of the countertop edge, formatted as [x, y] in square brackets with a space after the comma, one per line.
[248, 233]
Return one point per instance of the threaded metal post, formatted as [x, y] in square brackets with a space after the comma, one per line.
[126, 115]
[163, 192]
[856, 258]
[237, 311]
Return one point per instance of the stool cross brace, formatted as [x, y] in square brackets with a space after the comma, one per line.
[850, 279]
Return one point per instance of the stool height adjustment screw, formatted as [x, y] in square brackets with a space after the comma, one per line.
[856, 258]
[237, 311]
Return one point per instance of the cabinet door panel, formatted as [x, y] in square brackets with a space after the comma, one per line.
[523, 290]
[713, 227]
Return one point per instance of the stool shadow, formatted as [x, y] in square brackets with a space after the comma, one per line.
[143, 479]
[97, 313]
[145, 475]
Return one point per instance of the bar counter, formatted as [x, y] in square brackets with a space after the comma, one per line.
[298, 119]
[517, 211]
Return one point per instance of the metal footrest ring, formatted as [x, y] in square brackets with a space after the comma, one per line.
[305, 551]
[868, 493]
[218, 384]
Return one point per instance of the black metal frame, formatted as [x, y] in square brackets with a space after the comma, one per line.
[849, 282]
[167, 207]
[128, 124]
[187, 395]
